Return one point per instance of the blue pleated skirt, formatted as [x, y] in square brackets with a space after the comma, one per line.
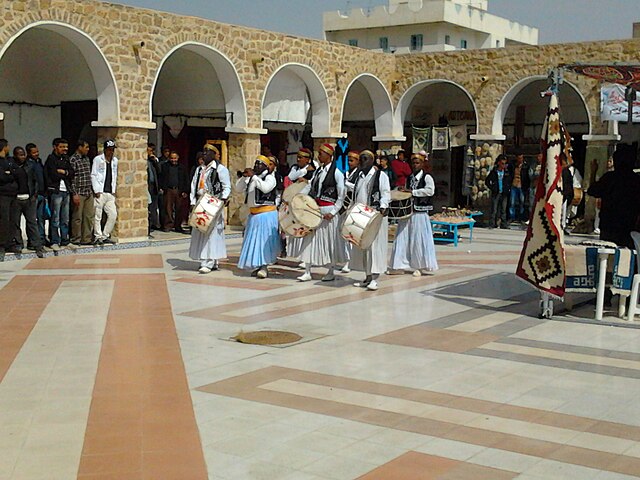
[261, 245]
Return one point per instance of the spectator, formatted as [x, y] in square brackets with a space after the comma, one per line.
[619, 192]
[104, 175]
[82, 196]
[58, 175]
[518, 186]
[153, 184]
[386, 168]
[33, 157]
[8, 192]
[165, 153]
[199, 163]
[499, 183]
[533, 174]
[26, 202]
[174, 184]
[401, 169]
[283, 166]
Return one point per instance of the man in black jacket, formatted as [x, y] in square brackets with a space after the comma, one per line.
[174, 184]
[153, 185]
[499, 183]
[8, 192]
[58, 174]
[25, 202]
[33, 157]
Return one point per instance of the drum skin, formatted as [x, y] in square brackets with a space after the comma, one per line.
[361, 225]
[292, 190]
[300, 217]
[206, 212]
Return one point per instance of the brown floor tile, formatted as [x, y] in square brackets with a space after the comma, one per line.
[70, 262]
[412, 466]
[422, 336]
[468, 471]
[127, 464]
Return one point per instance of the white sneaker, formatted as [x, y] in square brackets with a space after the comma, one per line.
[204, 270]
[372, 286]
[329, 277]
[417, 273]
[262, 273]
[596, 231]
[346, 269]
[363, 284]
[306, 277]
[55, 247]
[302, 266]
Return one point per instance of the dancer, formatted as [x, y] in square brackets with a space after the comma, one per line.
[261, 244]
[413, 247]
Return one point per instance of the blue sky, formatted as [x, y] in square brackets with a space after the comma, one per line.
[557, 20]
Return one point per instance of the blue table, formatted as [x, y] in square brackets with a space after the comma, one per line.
[450, 230]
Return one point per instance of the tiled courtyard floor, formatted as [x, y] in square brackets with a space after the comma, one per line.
[118, 365]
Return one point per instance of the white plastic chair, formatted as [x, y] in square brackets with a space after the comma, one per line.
[635, 286]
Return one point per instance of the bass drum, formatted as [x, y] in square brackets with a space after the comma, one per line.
[301, 217]
[401, 205]
[361, 225]
[206, 212]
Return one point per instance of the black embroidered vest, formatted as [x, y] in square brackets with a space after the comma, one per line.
[328, 191]
[420, 204]
[262, 198]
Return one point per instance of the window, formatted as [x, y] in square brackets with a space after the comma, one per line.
[463, 44]
[416, 42]
[353, 42]
[497, 43]
[384, 44]
[447, 39]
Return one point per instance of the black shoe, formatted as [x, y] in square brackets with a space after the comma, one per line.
[40, 252]
[97, 242]
[16, 250]
[108, 241]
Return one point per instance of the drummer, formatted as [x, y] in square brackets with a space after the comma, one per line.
[212, 178]
[323, 245]
[304, 168]
[301, 172]
[413, 247]
[372, 188]
[261, 244]
[353, 158]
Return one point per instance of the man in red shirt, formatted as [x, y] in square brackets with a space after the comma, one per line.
[402, 169]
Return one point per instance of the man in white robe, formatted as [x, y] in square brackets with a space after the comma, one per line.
[212, 178]
[372, 189]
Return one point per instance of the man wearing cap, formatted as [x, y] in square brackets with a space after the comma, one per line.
[323, 245]
[353, 159]
[212, 178]
[104, 175]
[372, 189]
[261, 244]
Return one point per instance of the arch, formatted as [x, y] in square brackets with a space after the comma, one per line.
[233, 92]
[512, 93]
[104, 80]
[408, 96]
[320, 115]
[381, 100]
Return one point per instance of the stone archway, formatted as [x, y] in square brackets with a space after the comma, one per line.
[455, 96]
[367, 111]
[66, 69]
[439, 103]
[526, 93]
[212, 89]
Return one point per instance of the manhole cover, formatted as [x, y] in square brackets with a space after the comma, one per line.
[267, 338]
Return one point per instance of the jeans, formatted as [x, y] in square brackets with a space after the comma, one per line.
[28, 209]
[499, 210]
[517, 198]
[59, 204]
[40, 206]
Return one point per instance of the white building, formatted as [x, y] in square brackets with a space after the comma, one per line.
[414, 26]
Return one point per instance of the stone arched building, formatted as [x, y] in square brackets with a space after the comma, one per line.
[120, 71]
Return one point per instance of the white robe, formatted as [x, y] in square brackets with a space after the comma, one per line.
[374, 259]
[323, 245]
